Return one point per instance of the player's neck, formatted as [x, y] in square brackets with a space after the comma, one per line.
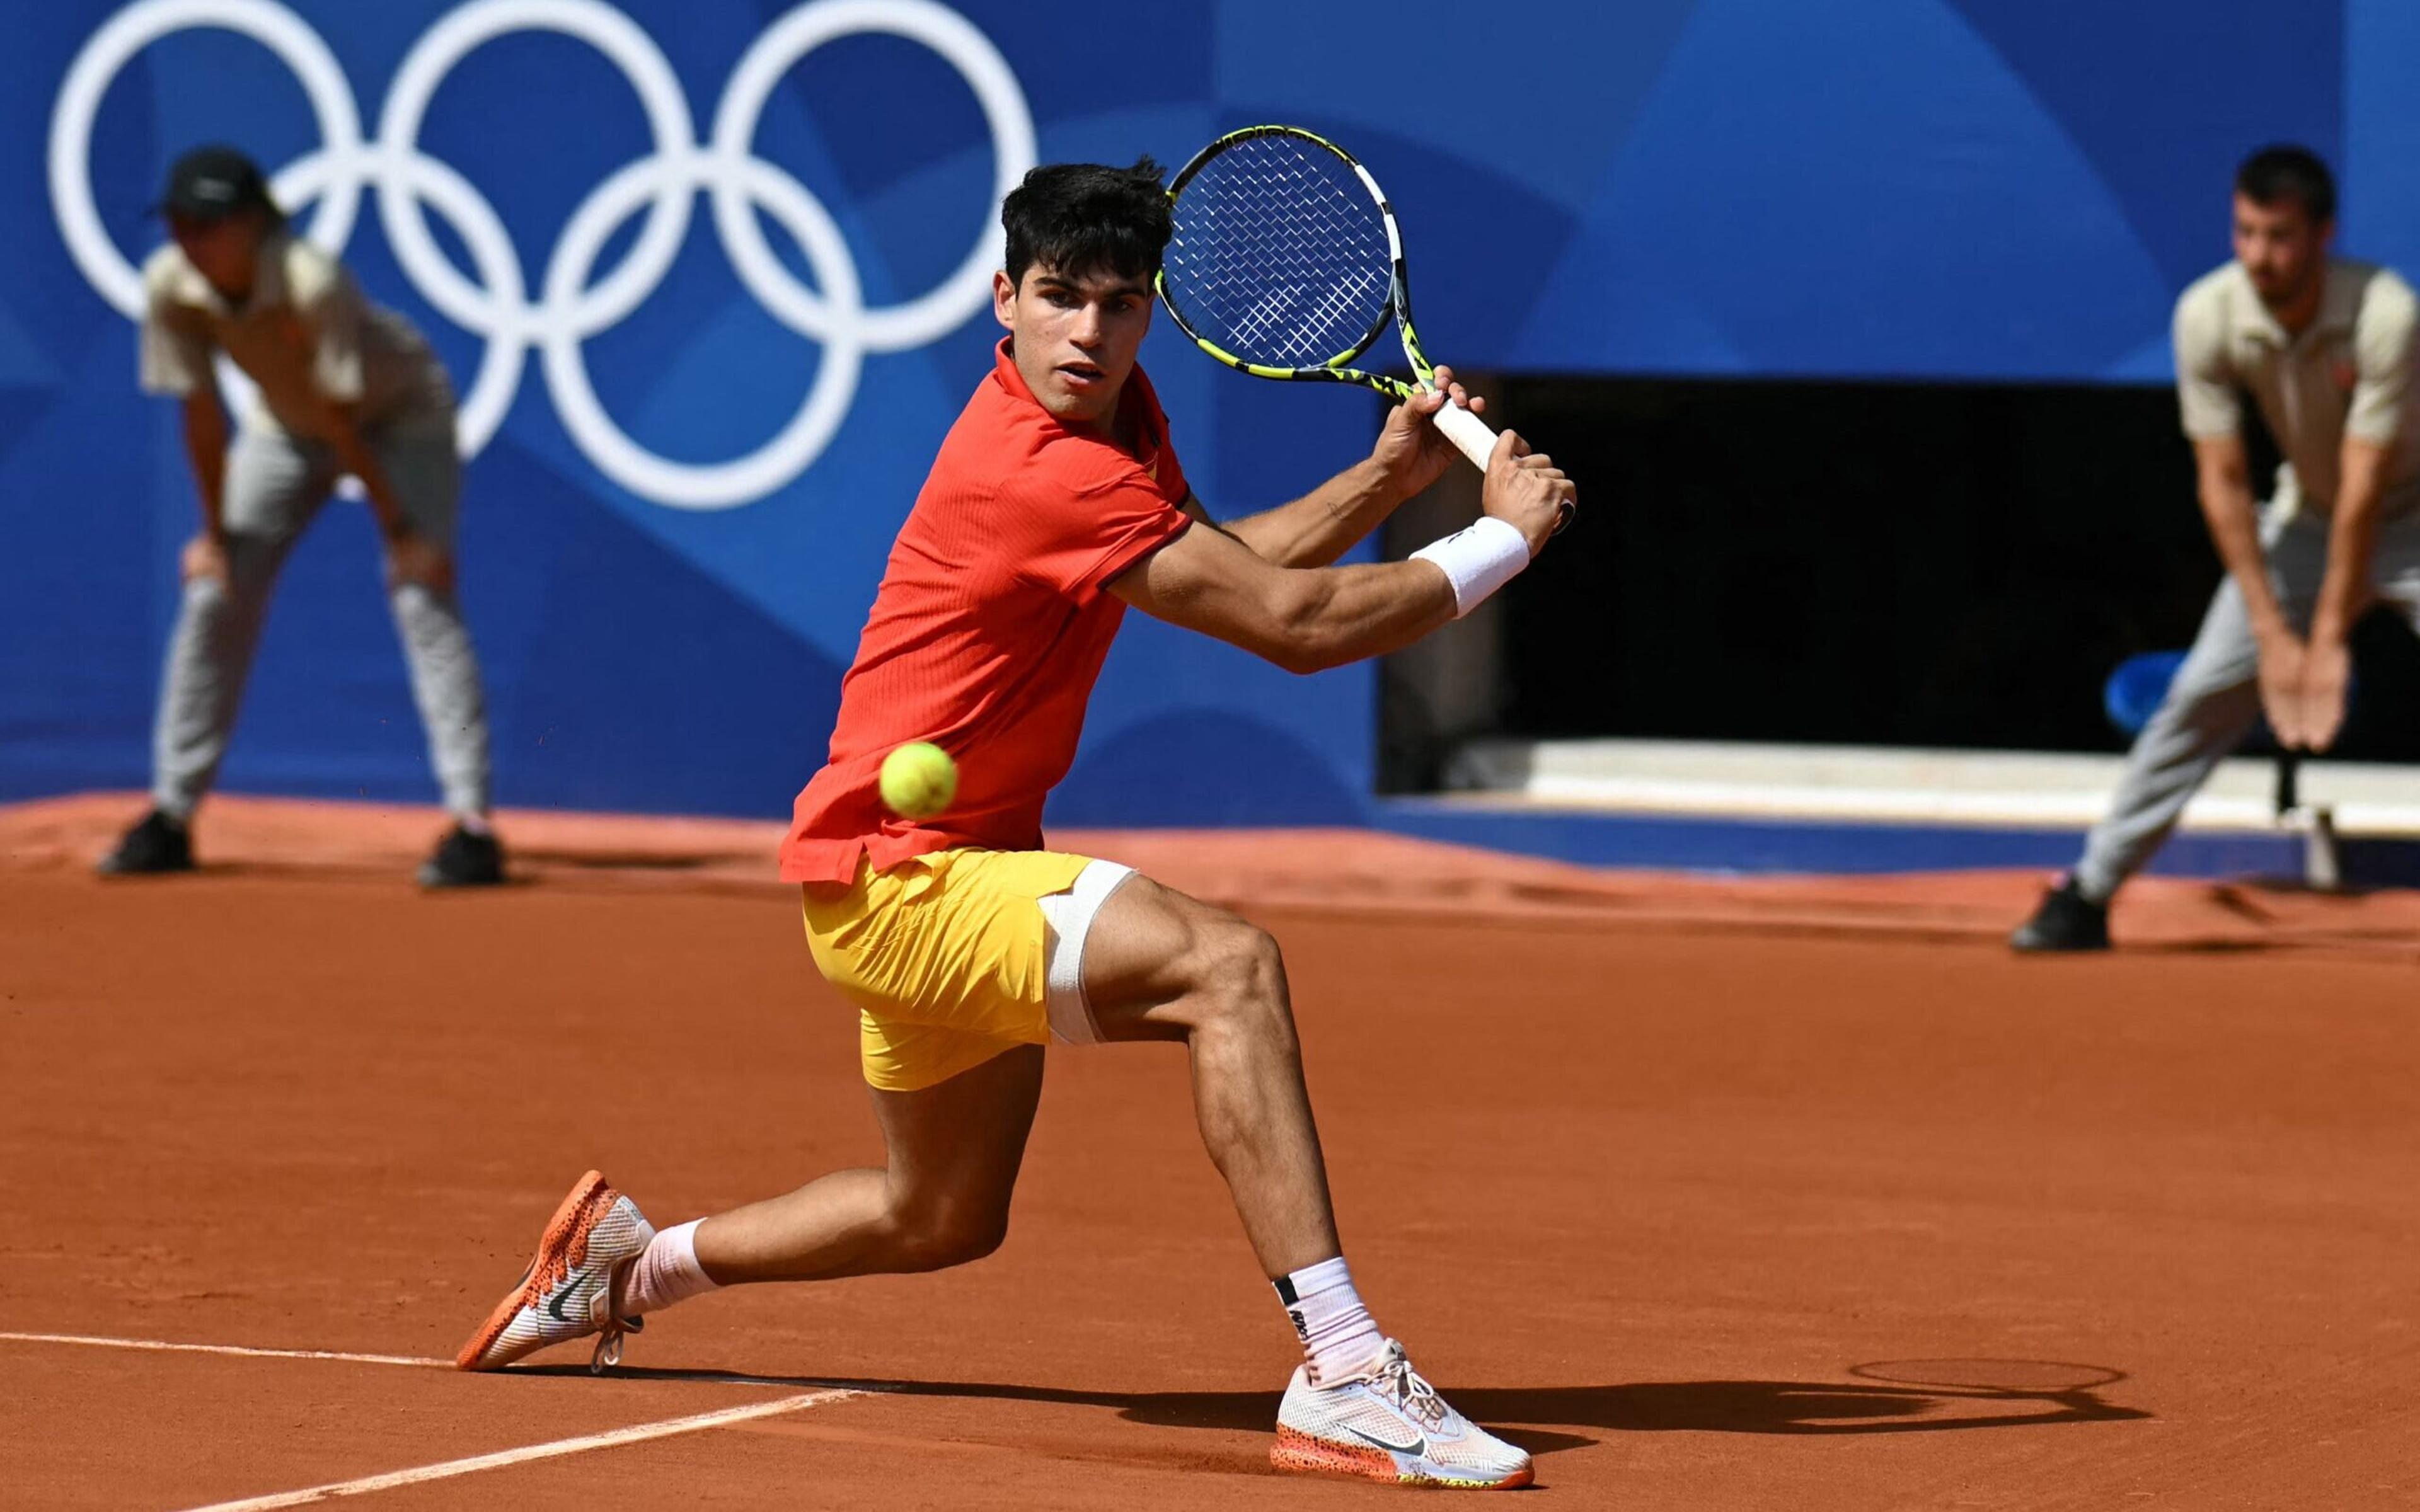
[1121, 426]
[2297, 311]
[240, 294]
[1115, 424]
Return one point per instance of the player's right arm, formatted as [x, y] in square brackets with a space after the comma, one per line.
[1409, 455]
[175, 361]
[2227, 508]
[1308, 619]
[206, 448]
[2224, 482]
[2211, 406]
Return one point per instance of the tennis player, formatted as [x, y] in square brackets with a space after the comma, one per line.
[2326, 347]
[345, 387]
[1056, 502]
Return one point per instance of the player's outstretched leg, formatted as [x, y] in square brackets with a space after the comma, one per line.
[952, 1153]
[1161, 966]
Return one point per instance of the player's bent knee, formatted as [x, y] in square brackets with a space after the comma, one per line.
[937, 1239]
[1236, 960]
[1244, 978]
[949, 1247]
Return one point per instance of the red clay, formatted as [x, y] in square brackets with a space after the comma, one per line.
[1721, 1219]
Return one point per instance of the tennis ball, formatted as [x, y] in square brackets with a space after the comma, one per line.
[919, 779]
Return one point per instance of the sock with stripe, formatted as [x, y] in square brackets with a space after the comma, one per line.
[1338, 1338]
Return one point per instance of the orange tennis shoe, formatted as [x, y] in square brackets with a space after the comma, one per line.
[1390, 1424]
[567, 1291]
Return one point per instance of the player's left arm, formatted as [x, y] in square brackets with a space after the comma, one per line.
[1308, 619]
[1324, 524]
[2376, 425]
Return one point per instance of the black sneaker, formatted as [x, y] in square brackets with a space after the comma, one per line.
[464, 860]
[157, 844]
[2067, 920]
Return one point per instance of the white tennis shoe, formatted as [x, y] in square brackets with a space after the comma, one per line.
[567, 1291]
[1390, 1424]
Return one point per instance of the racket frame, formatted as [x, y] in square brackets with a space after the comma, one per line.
[1473, 437]
[1398, 306]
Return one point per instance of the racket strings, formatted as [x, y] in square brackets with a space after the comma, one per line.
[1280, 255]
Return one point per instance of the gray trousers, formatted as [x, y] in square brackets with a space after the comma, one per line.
[2216, 700]
[275, 486]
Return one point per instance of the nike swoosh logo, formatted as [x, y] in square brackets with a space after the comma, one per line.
[555, 1307]
[1419, 1446]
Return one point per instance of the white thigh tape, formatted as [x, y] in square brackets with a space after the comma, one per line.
[1068, 919]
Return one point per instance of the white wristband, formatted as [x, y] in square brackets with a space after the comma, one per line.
[1478, 560]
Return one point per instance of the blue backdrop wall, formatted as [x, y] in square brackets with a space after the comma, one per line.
[710, 277]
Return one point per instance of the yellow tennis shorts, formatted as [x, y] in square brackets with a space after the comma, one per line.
[959, 956]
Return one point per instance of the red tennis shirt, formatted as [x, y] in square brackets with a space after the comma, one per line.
[991, 627]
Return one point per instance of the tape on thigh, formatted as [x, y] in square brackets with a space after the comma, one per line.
[1067, 918]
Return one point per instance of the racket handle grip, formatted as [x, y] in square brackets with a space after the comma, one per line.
[1473, 437]
[1476, 439]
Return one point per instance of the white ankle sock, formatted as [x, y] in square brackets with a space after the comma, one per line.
[666, 1272]
[1338, 1338]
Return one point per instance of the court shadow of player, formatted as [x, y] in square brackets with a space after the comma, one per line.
[2002, 1393]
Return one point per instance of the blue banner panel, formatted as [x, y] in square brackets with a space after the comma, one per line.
[712, 281]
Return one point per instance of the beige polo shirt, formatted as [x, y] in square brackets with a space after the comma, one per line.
[2348, 373]
[306, 336]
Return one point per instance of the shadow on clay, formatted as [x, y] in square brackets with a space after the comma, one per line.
[1953, 1394]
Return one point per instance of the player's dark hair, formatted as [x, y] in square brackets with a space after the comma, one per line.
[1081, 218]
[2286, 172]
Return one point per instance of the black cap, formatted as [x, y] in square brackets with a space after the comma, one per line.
[213, 182]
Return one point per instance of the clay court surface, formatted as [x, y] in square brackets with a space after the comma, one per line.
[1793, 1195]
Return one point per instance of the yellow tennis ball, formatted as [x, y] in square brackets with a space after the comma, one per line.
[919, 779]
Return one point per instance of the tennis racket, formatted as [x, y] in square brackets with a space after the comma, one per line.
[1286, 263]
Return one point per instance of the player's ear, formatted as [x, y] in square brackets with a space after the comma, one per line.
[1003, 299]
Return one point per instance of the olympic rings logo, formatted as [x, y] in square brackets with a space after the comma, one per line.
[569, 308]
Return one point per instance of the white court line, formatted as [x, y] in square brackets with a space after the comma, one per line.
[170, 1346]
[416, 1361]
[638, 1434]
